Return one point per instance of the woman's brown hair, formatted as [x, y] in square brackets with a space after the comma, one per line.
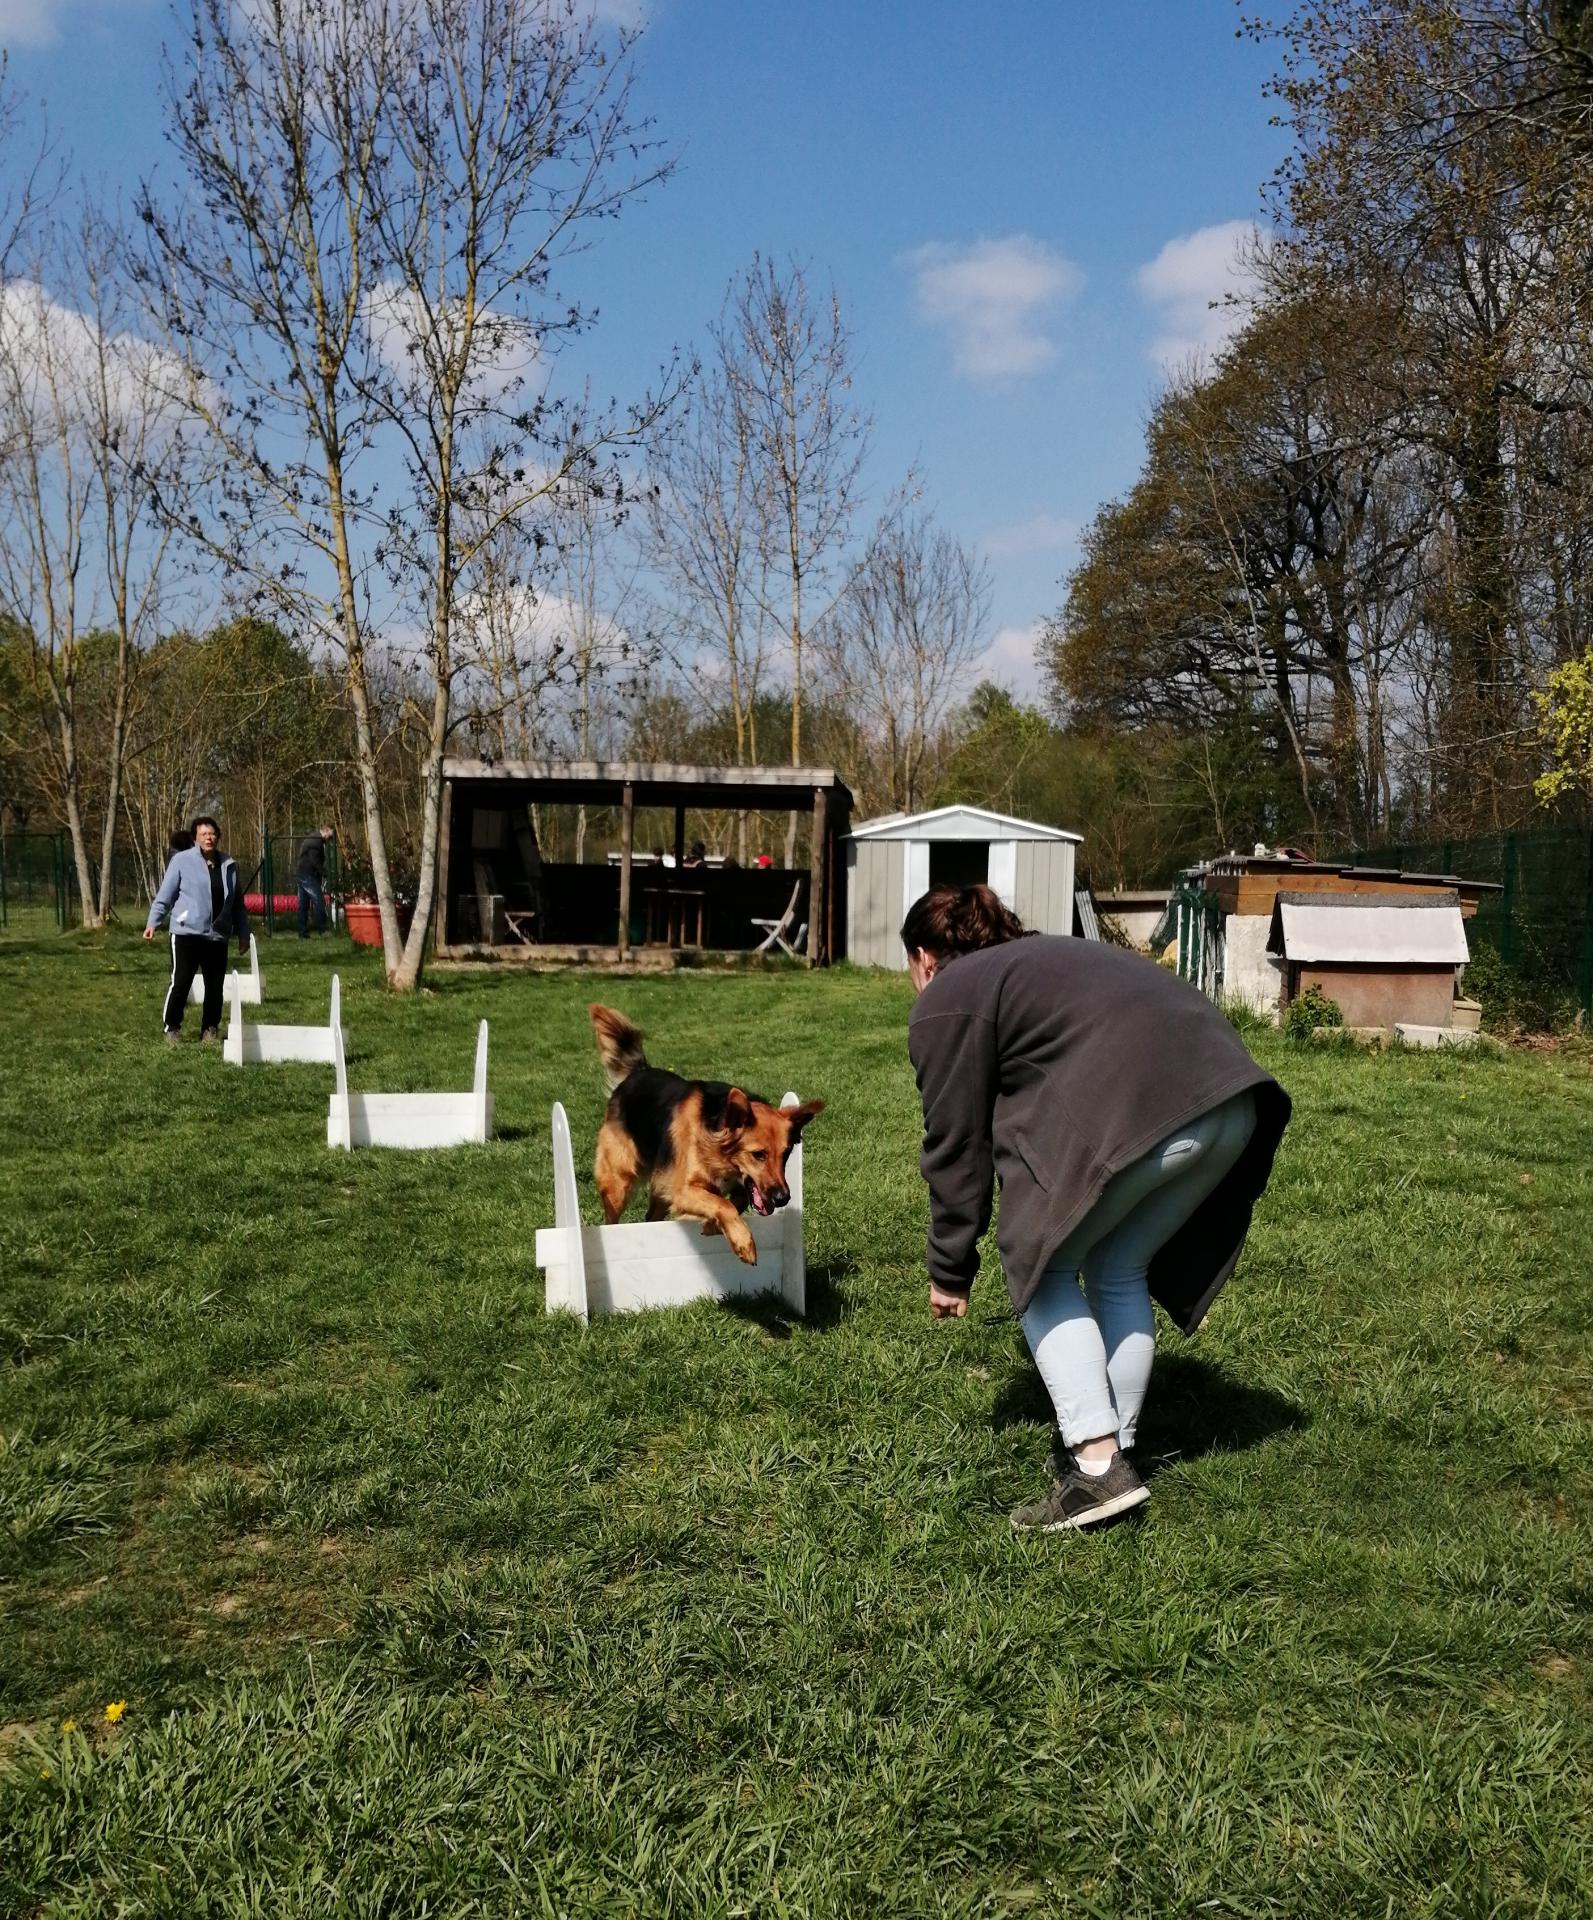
[950, 920]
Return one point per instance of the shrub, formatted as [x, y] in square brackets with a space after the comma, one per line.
[1512, 1001]
[1310, 1010]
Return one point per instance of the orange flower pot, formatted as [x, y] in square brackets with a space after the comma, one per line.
[364, 921]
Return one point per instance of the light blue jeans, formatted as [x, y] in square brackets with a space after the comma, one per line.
[1094, 1343]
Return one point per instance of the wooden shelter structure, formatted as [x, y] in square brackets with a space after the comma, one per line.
[498, 894]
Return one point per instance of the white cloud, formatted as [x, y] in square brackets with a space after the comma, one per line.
[504, 353]
[1187, 286]
[29, 23]
[992, 300]
[1044, 533]
[54, 355]
[1009, 660]
[38, 23]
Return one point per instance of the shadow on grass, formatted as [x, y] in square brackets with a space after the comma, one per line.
[828, 1305]
[1194, 1407]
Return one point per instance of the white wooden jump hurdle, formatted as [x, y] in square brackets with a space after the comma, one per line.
[409, 1119]
[249, 982]
[663, 1263]
[244, 1045]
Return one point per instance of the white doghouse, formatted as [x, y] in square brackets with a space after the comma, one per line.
[245, 1044]
[409, 1119]
[663, 1263]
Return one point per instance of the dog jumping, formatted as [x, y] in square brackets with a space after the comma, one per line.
[708, 1149]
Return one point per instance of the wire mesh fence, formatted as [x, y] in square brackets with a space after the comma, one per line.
[39, 881]
[1540, 922]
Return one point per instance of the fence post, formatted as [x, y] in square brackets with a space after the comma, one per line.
[60, 881]
[1508, 904]
[270, 881]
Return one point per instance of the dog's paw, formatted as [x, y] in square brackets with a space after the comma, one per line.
[710, 1228]
[742, 1245]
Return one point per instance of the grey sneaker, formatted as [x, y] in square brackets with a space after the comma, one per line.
[1084, 1500]
[211, 1037]
[173, 1035]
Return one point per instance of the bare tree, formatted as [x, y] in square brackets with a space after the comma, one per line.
[93, 438]
[709, 537]
[382, 192]
[898, 646]
[710, 544]
[786, 355]
[544, 629]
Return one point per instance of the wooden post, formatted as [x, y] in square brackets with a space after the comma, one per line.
[680, 840]
[627, 830]
[818, 952]
[441, 931]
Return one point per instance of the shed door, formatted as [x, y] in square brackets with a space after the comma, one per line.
[959, 863]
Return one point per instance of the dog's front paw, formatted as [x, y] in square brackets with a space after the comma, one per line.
[711, 1227]
[742, 1244]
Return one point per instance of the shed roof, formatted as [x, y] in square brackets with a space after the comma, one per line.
[653, 783]
[1393, 929]
[958, 823]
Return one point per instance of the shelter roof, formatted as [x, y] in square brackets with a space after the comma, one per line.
[958, 823]
[1391, 929]
[653, 783]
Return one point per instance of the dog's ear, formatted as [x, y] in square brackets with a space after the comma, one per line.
[738, 1112]
[800, 1116]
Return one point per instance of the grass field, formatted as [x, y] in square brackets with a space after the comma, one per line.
[423, 1603]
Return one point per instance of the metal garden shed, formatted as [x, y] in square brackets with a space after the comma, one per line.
[892, 860]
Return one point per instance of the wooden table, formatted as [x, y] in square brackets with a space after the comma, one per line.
[683, 903]
[669, 909]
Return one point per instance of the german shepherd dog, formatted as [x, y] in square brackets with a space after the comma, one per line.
[708, 1149]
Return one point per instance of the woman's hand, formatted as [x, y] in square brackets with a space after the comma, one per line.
[946, 1306]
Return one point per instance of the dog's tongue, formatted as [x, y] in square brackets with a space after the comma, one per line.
[757, 1198]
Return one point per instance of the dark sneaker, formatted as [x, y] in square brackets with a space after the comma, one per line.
[1084, 1500]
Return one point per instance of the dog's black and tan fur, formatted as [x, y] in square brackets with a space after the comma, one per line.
[709, 1150]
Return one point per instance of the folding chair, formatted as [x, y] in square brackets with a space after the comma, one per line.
[774, 931]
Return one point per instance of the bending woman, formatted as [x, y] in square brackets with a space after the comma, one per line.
[1131, 1134]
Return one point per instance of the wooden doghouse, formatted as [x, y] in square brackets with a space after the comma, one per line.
[1387, 959]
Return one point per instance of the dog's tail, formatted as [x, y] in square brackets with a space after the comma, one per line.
[619, 1044]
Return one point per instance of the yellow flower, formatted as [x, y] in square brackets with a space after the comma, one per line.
[115, 1710]
[44, 1773]
[69, 1726]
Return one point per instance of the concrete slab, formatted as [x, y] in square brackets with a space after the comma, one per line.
[1432, 1037]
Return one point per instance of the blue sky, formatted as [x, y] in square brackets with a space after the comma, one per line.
[1024, 205]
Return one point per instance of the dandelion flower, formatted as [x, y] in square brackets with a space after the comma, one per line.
[69, 1726]
[44, 1773]
[115, 1710]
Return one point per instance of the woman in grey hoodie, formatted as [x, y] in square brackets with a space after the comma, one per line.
[1131, 1135]
[201, 891]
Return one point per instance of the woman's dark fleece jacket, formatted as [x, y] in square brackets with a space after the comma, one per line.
[1051, 1064]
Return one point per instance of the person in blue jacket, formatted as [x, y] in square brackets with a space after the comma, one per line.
[204, 896]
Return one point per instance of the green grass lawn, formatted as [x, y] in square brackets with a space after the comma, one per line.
[422, 1602]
